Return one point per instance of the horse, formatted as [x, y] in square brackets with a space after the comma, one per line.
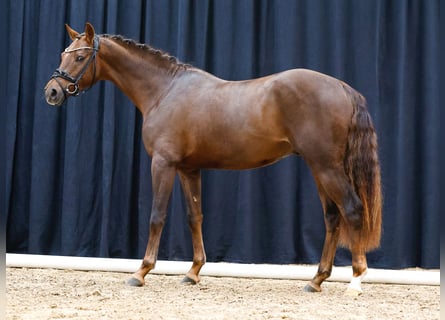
[193, 120]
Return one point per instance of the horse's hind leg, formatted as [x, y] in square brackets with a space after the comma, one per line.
[359, 269]
[163, 176]
[332, 222]
[191, 185]
[343, 210]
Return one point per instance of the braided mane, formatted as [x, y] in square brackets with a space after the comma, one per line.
[145, 48]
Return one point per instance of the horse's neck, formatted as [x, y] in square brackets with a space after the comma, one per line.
[140, 77]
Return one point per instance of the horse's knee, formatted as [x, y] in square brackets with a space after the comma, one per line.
[194, 219]
[157, 220]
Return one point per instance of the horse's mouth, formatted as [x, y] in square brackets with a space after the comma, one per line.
[54, 96]
[56, 103]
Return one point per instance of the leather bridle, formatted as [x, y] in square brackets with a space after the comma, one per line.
[72, 88]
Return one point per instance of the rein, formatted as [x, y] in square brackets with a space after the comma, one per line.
[73, 87]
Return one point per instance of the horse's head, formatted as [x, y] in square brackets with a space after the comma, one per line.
[77, 70]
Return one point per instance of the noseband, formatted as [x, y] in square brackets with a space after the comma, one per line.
[72, 87]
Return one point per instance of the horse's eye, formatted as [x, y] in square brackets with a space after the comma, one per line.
[80, 58]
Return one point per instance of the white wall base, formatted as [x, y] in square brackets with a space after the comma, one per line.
[223, 269]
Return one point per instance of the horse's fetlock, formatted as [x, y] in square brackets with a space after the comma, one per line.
[147, 263]
[324, 273]
[359, 269]
[327, 273]
[199, 261]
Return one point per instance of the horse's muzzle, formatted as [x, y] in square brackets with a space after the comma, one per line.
[54, 94]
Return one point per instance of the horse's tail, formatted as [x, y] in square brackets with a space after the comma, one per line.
[363, 169]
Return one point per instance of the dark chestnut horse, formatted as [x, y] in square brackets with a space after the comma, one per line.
[194, 120]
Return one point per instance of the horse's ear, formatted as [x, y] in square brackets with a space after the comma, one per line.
[72, 33]
[89, 32]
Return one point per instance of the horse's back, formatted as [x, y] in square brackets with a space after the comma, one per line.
[308, 86]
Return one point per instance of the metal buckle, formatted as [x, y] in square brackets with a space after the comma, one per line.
[72, 89]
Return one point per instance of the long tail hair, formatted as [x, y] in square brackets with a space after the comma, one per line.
[363, 169]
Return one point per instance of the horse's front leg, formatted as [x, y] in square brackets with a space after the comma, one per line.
[191, 185]
[163, 175]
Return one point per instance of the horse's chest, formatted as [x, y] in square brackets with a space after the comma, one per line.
[148, 137]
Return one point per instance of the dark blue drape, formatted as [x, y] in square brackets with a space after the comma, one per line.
[78, 179]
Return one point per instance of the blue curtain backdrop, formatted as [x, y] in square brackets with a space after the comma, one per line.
[78, 179]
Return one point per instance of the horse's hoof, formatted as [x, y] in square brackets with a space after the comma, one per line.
[135, 282]
[311, 288]
[352, 292]
[188, 280]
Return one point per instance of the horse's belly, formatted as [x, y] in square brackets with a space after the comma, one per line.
[238, 156]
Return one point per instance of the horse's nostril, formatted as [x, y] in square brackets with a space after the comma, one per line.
[53, 92]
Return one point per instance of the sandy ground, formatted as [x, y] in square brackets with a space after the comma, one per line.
[62, 294]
